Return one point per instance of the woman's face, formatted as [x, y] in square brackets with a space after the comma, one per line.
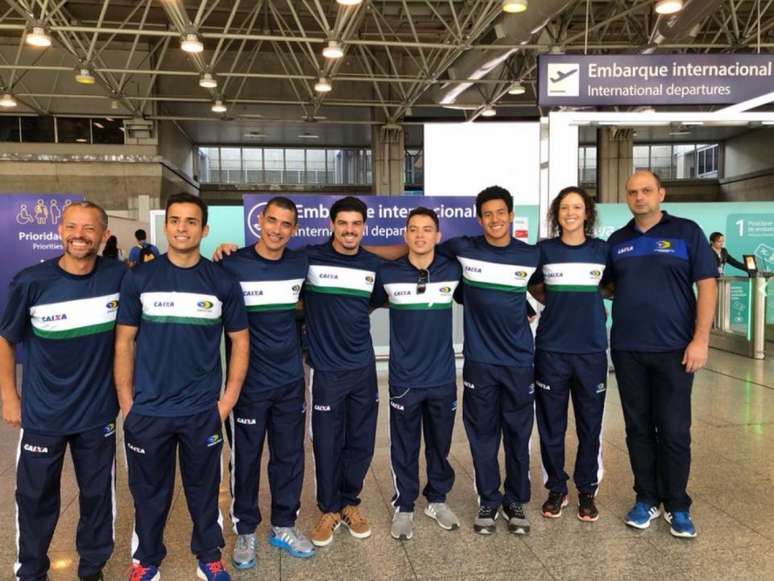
[572, 213]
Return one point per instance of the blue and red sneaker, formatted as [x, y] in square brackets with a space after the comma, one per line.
[140, 572]
[212, 571]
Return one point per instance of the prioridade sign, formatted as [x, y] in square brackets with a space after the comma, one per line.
[678, 79]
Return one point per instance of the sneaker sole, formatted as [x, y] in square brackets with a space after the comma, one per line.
[432, 515]
[678, 534]
[565, 502]
[242, 565]
[157, 576]
[325, 542]
[199, 574]
[282, 545]
[407, 537]
[642, 526]
[485, 530]
[355, 534]
[588, 518]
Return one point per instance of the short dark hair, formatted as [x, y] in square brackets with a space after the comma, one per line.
[651, 172]
[349, 204]
[493, 193]
[284, 203]
[715, 236]
[186, 198]
[140, 235]
[422, 211]
[591, 211]
[103, 217]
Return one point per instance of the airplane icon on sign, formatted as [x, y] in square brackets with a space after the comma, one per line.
[561, 75]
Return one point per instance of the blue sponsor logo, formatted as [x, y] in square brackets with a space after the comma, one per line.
[214, 440]
[52, 318]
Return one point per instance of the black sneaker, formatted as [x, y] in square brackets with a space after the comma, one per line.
[587, 510]
[485, 521]
[552, 508]
[95, 577]
[517, 518]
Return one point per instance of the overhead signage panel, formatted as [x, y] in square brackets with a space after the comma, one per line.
[676, 79]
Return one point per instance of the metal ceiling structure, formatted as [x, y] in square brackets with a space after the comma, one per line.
[402, 58]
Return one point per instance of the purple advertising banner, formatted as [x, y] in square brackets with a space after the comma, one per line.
[675, 79]
[386, 219]
[29, 232]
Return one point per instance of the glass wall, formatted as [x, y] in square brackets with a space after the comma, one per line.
[105, 130]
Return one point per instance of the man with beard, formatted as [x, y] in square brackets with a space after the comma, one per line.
[63, 312]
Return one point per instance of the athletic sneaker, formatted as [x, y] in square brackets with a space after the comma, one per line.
[443, 515]
[243, 556]
[212, 571]
[485, 520]
[641, 514]
[95, 577]
[356, 522]
[681, 524]
[322, 533]
[402, 526]
[292, 540]
[552, 508]
[587, 509]
[140, 572]
[518, 524]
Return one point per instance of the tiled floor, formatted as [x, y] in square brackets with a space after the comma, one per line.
[731, 483]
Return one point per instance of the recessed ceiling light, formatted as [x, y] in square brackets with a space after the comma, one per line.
[668, 6]
[207, 81]
[488, 111]
[84, 77]
[255, 134]
[98, 124]
[514, 6]
[81, 140]
[333, 50]
[349, 2]
[323, 85]
[218, 106]
[308, 135]
[517, 89]
[38, 37]
[191, 43]
[8, 101]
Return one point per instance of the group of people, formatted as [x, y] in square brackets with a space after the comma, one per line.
[141, 252]
[98, 337]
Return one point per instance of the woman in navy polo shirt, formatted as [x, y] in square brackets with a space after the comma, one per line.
[570, 349]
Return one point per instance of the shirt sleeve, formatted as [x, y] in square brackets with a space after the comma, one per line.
[452, 247]
[234, 311]
[537, 276]
[134, 254]
[15, 319]
[703, 262]
[379, 295]
[129, 304]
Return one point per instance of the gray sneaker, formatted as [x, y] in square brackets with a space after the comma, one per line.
[292, 540]
[244, 551]
[443, 515]
[485, 520]
[518, 523]
[402, 526]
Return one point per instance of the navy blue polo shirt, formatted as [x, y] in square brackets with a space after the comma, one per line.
[337, 302]
[271, 290]
[654, 308]
[574, 318]
[181, 314]
[66, 324]
[421, 349]
[494, 284]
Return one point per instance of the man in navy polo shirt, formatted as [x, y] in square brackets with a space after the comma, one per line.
[660, 338]
[168, 376]
[423, 390]
[63, 312]
[272, 399]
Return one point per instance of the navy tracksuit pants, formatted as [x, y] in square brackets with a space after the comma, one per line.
[413, 411]
[559, 376]
[656, 399]
[152, 444]
[345, 405]
[38, 476]
[278, 413]
[498, 404]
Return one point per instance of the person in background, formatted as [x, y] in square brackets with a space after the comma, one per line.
[144, 251]
[112, 250]
[717, 243]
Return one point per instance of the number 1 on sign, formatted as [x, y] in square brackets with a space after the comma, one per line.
[740, 223]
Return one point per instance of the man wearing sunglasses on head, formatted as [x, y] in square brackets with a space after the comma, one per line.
[423, 391]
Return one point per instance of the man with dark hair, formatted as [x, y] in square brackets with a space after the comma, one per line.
[659, 339]
[423, 390]
[498, 372]
[272, 400]
[345, 398]
[63, 312]
[144, 251]
[168, 377]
